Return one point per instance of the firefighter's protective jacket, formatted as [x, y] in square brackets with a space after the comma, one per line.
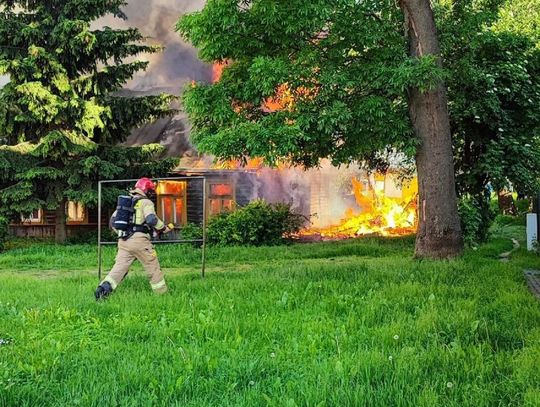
[145, 214]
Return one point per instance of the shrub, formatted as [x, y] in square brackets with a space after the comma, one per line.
[523, 206]
[507, 220]
[475, 220]
[191, 231]
[3, 231]
[258, 223]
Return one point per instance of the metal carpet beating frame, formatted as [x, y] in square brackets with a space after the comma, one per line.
[124, 181]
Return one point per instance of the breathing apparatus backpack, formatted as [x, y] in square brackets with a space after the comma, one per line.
[124, 221]
[125, 211]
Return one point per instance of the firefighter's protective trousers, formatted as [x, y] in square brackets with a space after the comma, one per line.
[138, 246]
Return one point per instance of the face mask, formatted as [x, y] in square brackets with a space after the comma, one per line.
[151, 194]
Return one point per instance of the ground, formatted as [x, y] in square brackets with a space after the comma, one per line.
[330, 324]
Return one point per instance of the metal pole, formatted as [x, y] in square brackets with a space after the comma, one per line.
[204, 230]
[159, 242]
[538, 219]
[99, 230]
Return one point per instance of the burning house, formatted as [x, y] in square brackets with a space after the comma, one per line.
[344, 202]
[341, 202]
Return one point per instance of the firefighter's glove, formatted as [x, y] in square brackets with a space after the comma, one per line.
[169, 228]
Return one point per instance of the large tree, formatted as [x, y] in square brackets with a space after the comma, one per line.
[492, 52]
[307, 80]
[61, 121]
[439, 230]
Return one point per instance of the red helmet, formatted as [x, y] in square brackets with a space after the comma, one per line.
[145, 185]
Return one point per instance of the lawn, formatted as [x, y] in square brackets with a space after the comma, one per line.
[354, 323]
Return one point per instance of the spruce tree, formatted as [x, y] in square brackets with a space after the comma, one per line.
[61, 120]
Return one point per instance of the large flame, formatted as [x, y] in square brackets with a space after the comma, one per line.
[378, 213]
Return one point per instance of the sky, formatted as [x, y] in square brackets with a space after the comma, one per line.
[178, 63]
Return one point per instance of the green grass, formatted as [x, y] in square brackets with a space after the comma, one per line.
[355, 323]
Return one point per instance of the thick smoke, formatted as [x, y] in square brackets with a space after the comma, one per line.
[169, 71]
[324, 194]
[178, 63]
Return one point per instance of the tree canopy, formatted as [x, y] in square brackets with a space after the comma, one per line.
[61, 122]
[308, 80]
[341, 80]
[305, 80]
[345, 69]
[493, 67]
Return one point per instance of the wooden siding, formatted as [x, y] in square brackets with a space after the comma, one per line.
[195, 201]
[244, 191]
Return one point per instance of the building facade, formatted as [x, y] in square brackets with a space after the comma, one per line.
[177, 201]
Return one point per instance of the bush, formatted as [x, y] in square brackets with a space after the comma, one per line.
[507, 220]
[523, 206]
[258, 223]
[3, 231]
[475, 220]
[191, 231]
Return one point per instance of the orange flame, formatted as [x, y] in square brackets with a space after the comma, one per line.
[217, 70]
[285, 97]
[379, 213]
[252, 164]
[282, 100]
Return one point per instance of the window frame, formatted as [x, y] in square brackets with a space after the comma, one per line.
[221, 198]
[160, 208]
[32, 220]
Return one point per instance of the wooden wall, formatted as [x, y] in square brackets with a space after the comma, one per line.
[244, 184]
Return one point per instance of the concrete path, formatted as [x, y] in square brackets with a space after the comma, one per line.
[533, 281]
[505, 257]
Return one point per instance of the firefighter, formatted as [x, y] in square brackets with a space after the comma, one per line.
[136, 243]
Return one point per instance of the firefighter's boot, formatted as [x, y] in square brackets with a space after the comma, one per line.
[103, 290]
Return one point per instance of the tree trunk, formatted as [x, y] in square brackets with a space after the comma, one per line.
[506, 203]
[439, 230]
[60, 229]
